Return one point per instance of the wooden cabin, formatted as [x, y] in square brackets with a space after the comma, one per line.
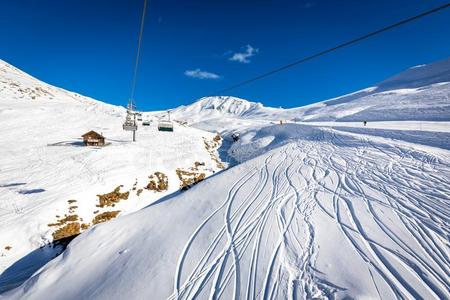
[93, 138]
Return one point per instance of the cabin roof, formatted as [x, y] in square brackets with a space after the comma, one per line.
[93, 134]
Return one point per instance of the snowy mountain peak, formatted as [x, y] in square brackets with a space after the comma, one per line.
[223, 104]
[16, 85]
[21, 85]
[7, 68]
[218, 107]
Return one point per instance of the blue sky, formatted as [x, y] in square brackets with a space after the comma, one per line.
[192, 48]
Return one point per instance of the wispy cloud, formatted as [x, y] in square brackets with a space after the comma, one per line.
[199, 74]
[244, 56]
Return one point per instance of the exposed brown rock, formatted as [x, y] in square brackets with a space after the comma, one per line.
[189, 178]
[211, 147]
[110, 199]
[66, 219]
[105, 216]
[158, 182]
[67, 230]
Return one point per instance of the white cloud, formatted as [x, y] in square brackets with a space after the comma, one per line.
[244, 57]
[197, 73]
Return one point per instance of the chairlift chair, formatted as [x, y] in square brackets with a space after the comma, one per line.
[165, 126]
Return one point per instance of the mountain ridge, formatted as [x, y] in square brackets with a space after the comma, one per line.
[428, 86]
[423, 92]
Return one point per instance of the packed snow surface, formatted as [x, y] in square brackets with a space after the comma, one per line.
[327, 214]
[314, 207]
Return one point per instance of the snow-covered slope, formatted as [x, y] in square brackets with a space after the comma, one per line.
[220, 107]
[325, 214]
[308, 212]
[225, 105]
[419, 93]
[418, 76]
[47, 175]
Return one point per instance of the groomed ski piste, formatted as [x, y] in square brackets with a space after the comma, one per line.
[316, 207]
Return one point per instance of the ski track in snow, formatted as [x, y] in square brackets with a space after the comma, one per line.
[268, 227]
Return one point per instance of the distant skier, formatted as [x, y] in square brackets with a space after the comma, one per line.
[365, 123]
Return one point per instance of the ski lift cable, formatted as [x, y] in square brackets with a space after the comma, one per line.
[138, 54]
[348, 43]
